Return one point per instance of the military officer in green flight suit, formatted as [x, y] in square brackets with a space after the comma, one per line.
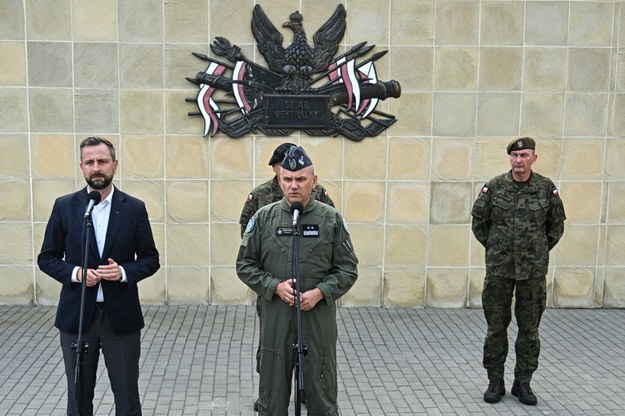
[267, 193]
[328, 269]
[518, 217]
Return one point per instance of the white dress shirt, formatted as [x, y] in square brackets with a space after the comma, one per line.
[100, 220]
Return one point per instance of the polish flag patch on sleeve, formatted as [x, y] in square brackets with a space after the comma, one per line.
[555, 192]
[485, 189]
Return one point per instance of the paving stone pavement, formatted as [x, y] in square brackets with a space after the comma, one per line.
[199, 360]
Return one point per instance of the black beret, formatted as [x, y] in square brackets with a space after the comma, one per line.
[296, 159]
[278, 154]
[521, 143]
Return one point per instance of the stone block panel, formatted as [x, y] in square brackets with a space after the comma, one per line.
[367, 289]
[227, 288]
[408, 203]
[51, 110]
[451, 202]
[140, 21]
[405, 246]
[14, 150]
[501, 23]
[16, 203]
[187, 201]
[573, 288]
[17, 244]
[94, 20]
[412, 22]
[446, 287]
[404, 287]
[96, 65]
[153, 290]
[17, 285]
[12, 20]
[368, 243]
[410, 158]
[188, 285]
[187, 245]
[448, 245]
[614, 292]
[12, 64]
[13, 110]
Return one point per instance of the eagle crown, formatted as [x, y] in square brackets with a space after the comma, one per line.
[296, 17]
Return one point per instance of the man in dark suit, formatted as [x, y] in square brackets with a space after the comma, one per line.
[121, 253]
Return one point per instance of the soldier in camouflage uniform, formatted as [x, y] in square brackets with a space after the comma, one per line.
[518, 217]
[270, 191]
[328, 269]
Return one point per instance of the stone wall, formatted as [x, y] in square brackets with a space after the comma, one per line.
[474, 74]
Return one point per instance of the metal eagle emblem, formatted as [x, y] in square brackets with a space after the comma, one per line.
[303, 87]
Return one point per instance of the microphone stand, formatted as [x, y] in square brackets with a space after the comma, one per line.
[81, 347]
[299, 349]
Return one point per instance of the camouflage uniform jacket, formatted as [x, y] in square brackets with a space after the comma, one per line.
[270, 192]
[518, 225]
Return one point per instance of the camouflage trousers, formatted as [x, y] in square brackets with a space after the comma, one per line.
[530, 299]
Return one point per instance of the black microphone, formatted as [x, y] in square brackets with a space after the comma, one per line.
[296, 209]
[94, 199]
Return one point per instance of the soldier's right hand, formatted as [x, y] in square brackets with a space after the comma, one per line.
[286, 291]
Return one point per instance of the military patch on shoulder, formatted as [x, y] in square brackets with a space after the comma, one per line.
[345, 226]
[250, 225]
[485, 189]
[250, 197]
[555, 192]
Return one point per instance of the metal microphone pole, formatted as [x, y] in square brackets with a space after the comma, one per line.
[81, 347]
[299, 349]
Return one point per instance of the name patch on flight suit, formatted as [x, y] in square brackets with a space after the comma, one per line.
[284, 231]
[310, 230]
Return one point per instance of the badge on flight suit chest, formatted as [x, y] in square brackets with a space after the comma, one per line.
[308, 231]
[284, 231]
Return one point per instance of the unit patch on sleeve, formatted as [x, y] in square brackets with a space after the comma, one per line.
[250, 226]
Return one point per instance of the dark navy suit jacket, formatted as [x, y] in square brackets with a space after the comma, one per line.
[129, 241]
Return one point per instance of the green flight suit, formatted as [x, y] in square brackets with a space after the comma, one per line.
[328, 262]
[518, 224]
[265, 194]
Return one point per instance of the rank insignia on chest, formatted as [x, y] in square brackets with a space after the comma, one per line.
[310, 230]
[284, 231]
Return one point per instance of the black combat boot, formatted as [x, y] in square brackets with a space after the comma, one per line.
[495, 391]
[524, 392]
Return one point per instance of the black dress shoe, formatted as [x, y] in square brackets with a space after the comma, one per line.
[495, 391]
[524, 392]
